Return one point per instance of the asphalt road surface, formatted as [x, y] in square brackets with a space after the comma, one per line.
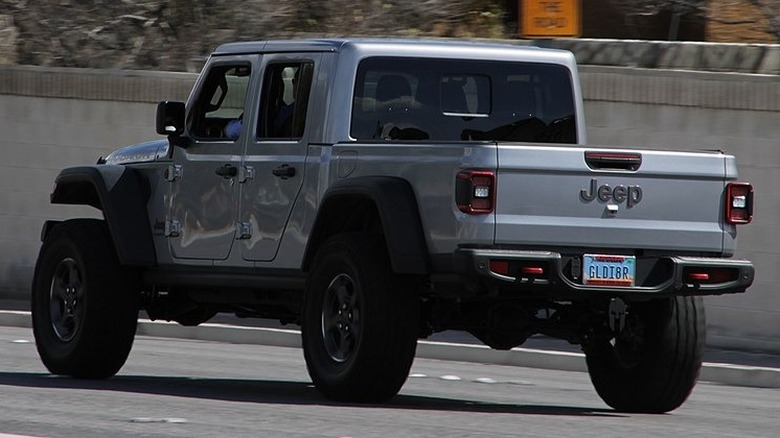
[183, 388]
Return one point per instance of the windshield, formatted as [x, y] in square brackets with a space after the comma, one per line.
[456, 100]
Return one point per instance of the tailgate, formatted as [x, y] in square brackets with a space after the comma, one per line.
[667, 201]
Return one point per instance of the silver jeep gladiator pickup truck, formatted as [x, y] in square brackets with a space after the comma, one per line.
[375, 192]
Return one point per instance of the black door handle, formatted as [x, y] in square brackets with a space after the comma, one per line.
[227, 171]
[284, 171]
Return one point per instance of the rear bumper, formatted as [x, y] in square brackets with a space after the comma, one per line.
[551, 274]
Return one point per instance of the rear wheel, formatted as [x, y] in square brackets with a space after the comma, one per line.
[84, 305]
[653, 364]
[360, 321]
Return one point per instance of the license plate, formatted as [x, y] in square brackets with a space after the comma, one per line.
[608, 270]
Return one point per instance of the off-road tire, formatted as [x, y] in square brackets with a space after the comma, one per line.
[655, 361]
[360, 321]
[84, 305]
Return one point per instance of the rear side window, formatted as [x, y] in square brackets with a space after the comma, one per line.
[285, 100]
[453, 100]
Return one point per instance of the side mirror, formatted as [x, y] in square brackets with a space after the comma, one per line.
[170, 118]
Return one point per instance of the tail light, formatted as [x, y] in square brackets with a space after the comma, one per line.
[475, 191]
[739, 203]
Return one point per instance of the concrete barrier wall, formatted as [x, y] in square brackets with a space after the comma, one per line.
[55, 118]
[737, 113]
[52, 118]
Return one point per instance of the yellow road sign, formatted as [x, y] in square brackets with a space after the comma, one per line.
[550, 18]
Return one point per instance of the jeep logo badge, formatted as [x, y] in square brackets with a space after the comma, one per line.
[631, 195]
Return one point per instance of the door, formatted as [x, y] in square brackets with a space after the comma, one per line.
[275, 156]
[205, 175]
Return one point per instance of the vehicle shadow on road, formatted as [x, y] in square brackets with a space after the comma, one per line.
[277, 392]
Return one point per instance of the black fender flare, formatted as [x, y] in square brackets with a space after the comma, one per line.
[121, 194]
[396, 205]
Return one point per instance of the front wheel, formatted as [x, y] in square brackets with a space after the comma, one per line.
[360, 321]
[84, 304]
[653, 364]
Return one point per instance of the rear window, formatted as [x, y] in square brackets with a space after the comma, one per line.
[454, 100]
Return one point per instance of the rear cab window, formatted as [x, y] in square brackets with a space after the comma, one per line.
[461, 100]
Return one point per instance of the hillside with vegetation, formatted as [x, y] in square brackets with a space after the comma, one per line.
[169, 34]
[176, 34]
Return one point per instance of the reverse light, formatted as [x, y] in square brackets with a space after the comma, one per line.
[475, 191]
[739, 203]
[482, 191]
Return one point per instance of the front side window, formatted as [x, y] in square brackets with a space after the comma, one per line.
[219, 108]
[458, 100]
[284, 101]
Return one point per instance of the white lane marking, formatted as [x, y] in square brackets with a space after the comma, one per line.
[6, 435]
[158, 420]
[487, 380]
